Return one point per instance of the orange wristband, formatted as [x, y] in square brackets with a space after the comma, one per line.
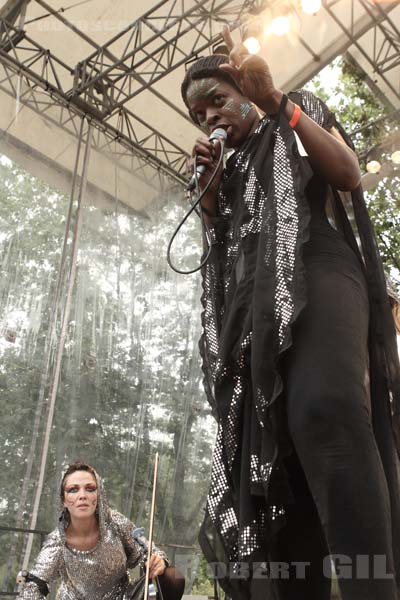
[295, 116]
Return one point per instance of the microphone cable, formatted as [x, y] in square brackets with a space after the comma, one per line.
[194, 208]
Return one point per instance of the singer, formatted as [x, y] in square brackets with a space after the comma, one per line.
[92, 548]
[298, 347]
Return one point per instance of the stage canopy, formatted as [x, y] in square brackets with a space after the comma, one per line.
[121, 63]
[98, 337]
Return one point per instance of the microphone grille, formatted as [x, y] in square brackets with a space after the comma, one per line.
[218, 133]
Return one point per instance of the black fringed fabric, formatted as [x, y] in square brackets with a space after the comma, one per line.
[253, 290]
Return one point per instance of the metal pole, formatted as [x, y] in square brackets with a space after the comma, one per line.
[56, 376]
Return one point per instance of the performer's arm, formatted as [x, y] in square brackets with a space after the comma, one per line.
[332, 159]
[135, 546]
[326, 150]
[45, 571]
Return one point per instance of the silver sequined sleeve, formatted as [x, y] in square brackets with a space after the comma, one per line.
[135, 552]
[30, 592]
[46, 567]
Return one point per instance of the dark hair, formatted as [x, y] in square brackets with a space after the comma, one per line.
[72, 468]
[207, 66]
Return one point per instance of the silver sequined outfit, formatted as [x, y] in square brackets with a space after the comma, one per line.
[99, 573]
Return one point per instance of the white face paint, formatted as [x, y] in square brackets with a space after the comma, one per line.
[245, 108]
[238, 108]
[231, 106]
[200, 89]
[216, 103]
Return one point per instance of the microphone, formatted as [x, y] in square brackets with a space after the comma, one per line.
[217, 134]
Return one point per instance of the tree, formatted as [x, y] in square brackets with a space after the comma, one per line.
[369, 123]
[130, 383]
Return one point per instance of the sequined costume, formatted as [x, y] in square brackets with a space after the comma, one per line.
[255, 288]
[100, 573]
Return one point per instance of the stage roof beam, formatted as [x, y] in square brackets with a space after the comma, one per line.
[389, 42]
[154, 147]
[151, 59]
[113, 58]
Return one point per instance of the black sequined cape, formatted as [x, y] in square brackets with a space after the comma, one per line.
[253, 290]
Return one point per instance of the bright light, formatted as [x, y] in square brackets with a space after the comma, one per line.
[279, 26]
[373, 166]
[311, 7]
[396, 157]
[252, 44]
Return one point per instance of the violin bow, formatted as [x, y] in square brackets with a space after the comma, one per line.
[150, 539]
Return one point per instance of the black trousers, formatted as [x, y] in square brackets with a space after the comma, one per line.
[172, 584]
[342, 506]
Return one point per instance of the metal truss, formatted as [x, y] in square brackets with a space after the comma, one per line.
[164, 38]
[112, 58]
[130, 155]
[385, 53]
[43, 71]
[108, 82]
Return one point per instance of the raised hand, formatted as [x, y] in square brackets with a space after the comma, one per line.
[252, 74]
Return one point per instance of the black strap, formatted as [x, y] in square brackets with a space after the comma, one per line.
[282, 105]
[42, 585]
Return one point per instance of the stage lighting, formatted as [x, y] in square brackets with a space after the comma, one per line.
[252, 44]
[311, 7]
[279, 25]
[373, 166]
[395, 157]
[251, 34]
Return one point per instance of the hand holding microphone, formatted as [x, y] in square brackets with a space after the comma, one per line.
[207, 153]
[208, 165]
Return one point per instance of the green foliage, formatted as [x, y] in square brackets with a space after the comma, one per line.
[130, 383]
[203, 584]
[343, 87]
[384, 209]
